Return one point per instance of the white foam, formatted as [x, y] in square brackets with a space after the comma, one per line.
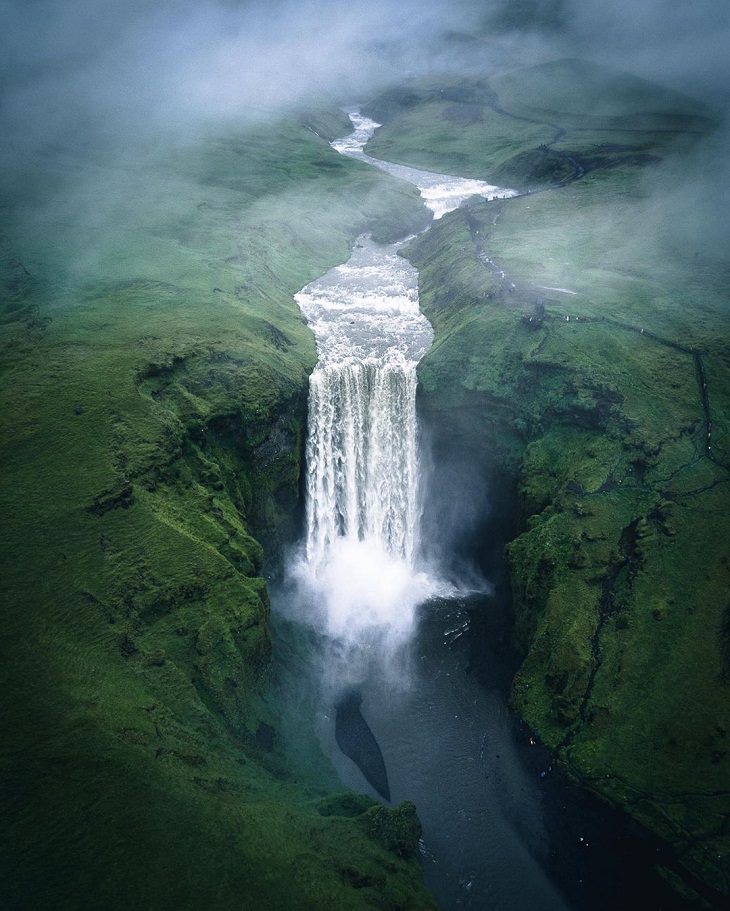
[366, 310]
[362, 588]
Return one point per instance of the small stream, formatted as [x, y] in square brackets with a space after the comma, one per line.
[441, 193]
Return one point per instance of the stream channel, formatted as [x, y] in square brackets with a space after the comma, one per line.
[408, 667]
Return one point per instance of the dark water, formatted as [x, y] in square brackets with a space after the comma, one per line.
[502, 830]
[449, 746]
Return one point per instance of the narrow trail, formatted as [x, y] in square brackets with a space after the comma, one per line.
[579, 171]
[560, 132]
[610, 593]
[605, 606]
[408, 729]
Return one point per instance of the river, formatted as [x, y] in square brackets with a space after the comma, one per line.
[417, 649]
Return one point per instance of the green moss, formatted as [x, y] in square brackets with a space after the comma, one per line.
[443, 134]
[595, 399]
[534, 127]
[397, 830]
[574, 88]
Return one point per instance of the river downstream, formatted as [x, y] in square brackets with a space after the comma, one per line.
[393, 630]
[362, 562]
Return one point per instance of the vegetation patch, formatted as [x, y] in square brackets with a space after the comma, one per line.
[154, 381]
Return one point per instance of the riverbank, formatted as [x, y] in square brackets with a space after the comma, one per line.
[572, 351]
[154, 380]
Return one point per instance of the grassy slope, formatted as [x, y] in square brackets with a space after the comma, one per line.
[154, 380]
[620, 576]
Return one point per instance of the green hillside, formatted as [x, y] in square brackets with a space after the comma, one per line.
[154, 370]
[589, 346]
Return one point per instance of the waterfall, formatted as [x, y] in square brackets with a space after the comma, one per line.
[360, 561]
[362, 459]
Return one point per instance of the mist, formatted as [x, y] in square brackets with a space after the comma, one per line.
[167, 198]
[97, 97]
[122, 85]
[99, 68]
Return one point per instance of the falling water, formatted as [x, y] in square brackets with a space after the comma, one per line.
[424, 729]
[362, 458]
[362, 453]
[361, 556]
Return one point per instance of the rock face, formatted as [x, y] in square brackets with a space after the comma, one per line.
[153, 398]
[596, 406]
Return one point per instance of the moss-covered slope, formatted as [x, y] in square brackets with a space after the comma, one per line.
[589, 349]
[154, 372]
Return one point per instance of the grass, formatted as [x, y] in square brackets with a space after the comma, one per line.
[594, 399]
[453, 130]
[154, 371]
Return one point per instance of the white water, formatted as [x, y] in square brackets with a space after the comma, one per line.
[440, 192]
[363, 498]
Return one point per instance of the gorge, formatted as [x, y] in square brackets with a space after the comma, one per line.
[364, 527]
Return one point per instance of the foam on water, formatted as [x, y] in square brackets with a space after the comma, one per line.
[363, 506]
[444, 742]
[366, 310]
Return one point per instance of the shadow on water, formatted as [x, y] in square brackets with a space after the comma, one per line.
[429, 721]
[358, 743]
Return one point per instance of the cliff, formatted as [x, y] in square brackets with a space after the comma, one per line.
[581, 350]
[154, 399]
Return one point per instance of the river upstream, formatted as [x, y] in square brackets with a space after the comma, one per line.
[402, 710]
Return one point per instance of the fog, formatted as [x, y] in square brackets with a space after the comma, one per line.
[140, 66]
[143, 66]
[682, 45]
[121, 82]
[92, 86]
[96, 99]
